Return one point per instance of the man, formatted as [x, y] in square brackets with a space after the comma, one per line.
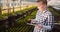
[44, 19]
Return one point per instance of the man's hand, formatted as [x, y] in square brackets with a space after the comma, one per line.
[39, 26]
[32, 20]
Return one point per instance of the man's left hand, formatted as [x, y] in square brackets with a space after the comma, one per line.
[39, 26]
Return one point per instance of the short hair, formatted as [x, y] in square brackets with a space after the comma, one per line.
[43, 1]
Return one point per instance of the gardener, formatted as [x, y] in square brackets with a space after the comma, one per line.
[44, 19]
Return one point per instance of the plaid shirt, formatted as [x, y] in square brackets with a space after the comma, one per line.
[44, 18]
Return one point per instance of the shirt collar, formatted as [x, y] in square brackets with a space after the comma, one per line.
[43, 11]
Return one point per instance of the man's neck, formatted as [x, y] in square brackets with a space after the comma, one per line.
[42, 10]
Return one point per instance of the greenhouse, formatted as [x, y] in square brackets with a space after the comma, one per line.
[15, 14]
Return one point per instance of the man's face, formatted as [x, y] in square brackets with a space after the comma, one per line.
[40, 5]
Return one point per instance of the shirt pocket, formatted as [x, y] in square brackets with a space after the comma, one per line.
[44, 18]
